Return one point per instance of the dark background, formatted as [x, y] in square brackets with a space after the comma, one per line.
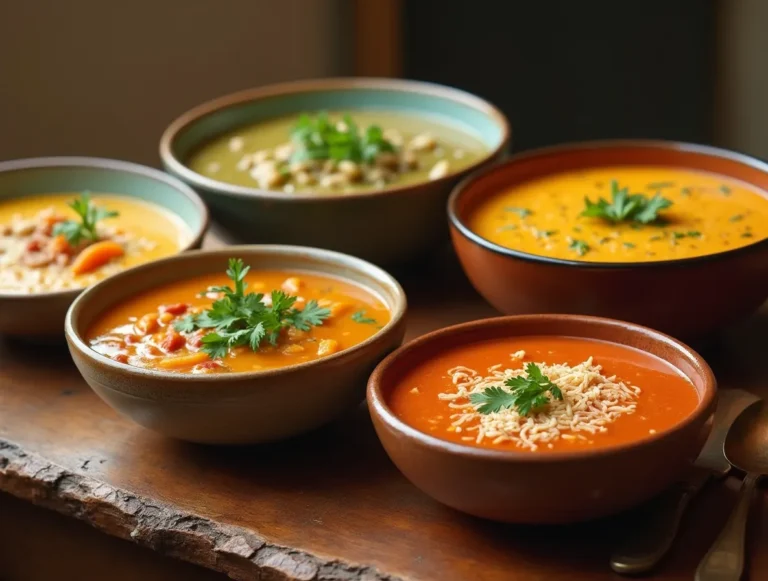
[571, 70]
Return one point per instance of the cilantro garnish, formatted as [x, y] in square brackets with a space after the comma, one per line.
[525, 393]
[626, 207]
[242, 318]
[85, 229]
[322, 139]
[522, 212]
[360, 317]
[579, 246]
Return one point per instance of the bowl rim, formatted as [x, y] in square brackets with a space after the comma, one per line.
[326, 256]
[212, 106]
[34, 163]
[704, 150]
[379, 407]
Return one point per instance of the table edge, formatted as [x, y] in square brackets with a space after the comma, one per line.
[235, 551]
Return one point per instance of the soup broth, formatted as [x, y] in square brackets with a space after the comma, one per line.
[708, 214]
[610, 395]
[35, 257]
[266, 155]
[147, 330]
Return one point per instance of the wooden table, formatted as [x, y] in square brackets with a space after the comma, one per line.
[326, 506]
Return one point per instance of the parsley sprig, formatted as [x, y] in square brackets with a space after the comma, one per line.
[321, 139]
[76, 231]
[363, 319]
[525, 393]
[242, 318]
[626, 207]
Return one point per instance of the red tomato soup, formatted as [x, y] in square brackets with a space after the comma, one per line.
[542, 394]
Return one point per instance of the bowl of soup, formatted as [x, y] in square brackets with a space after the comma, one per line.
[67, 223]
[542, 419]
[362, 166]
[241, 345]
[651, 232]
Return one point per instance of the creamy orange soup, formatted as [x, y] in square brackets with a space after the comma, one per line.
[35, 257]
[609, 395]
[708, 214]
[143, 331]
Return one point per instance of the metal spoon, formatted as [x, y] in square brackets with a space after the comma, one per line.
[746, 447]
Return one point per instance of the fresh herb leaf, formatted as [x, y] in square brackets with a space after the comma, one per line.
[359, 317]
[321, 139]
[579, 246]
[242, 318]
[657, 237]
[545, 233]
[525, 393]
[522, 212]
[694, 234]
[626, 207]
[628, 245]
[84, 229]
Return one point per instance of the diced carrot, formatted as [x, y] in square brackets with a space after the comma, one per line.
[175, 309]
[49, 222]
[59, 245]
[96, 255]
[187, 360]
[327, 346]
[147, 324]
[166, 318]
[172, 342]
[120, 358]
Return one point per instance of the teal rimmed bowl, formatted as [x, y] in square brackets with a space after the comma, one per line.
[389, 227]
[42, 314]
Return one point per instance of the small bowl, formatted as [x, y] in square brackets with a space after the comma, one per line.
[683, 297]
[41, 315]
[242, 407]
[553, 487]
[393, 226]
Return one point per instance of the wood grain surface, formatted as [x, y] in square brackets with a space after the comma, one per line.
[328, 505]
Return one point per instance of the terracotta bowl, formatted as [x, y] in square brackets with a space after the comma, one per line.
[389, 227]
[41, 315]
[243, 407]
[556, 487]
[684, 297]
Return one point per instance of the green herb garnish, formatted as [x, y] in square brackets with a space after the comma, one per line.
[579, 246]
[685, 192]
[660, 185]
[545, 233]
[322, 139]
[747, 235]
[242, 318]
[360, 317]
[628, 245]
[525, 393]
[725, 190]
[507, 228]
[736, 218]
[522, 212]
[85, 229]
[626, 207]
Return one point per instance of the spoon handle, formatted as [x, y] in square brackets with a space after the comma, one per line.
[725, 559]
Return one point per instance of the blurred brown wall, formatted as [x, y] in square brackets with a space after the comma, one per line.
[87, 77]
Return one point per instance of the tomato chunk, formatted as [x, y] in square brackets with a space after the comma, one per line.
[172, 342]
[175, 309]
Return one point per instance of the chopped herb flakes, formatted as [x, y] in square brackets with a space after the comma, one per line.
[360, 317]
[736, 218]
[628, 245]
[522, 212]
[579, 246]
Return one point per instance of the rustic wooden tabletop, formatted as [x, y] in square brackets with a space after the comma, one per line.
[328, 505]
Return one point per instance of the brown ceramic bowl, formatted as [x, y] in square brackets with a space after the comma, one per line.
[685, 297]
[243, 407]
[556, 487]
[41, 315]
[393, 226]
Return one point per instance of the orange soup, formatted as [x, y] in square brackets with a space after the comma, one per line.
[212, 324]
[542, 394]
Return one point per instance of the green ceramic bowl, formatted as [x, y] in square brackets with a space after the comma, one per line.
[389, 227]
[42, 314]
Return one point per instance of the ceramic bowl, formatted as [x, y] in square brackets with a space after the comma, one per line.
[392, 226]
[42, 315]
[555, 487]
[242, 407]
[683, 297]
